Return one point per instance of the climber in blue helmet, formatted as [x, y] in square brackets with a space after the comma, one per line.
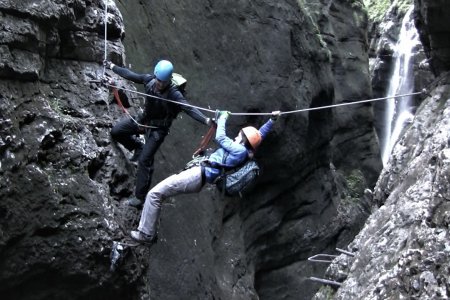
[155, 121]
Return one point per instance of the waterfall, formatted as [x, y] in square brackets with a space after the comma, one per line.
[398, 110]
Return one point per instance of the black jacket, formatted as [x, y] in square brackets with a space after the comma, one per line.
[158, 112]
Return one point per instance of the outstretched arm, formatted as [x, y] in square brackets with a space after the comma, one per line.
[130, 75]
[191, 111]
[221, 137]
[127, 74]
[267, 127]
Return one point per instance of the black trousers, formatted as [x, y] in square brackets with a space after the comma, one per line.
[125, 132]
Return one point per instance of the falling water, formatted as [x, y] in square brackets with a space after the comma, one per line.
[398, 110]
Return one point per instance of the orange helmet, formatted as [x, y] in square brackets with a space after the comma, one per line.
[253, 136]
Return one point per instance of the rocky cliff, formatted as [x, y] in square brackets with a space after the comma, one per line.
[432, 23]
[64, 182]
[403, 249]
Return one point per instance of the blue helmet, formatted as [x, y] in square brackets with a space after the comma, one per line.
[163, 70]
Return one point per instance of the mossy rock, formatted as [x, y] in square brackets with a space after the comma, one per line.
[356, 184]
[376, 9]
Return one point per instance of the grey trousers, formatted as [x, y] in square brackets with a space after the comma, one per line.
[185, 182]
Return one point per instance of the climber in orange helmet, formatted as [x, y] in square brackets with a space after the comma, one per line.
[230, 154]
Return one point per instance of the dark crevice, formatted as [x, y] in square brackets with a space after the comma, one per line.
[45, 231]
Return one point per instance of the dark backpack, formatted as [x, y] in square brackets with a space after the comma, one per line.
[232, 181]
[238, 180]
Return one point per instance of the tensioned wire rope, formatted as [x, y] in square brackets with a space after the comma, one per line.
[344, 103]
[267, 113]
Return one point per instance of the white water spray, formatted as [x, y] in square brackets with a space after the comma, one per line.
[398, 110]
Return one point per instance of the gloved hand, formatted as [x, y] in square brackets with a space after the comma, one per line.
[275, 115]
[108, 80]
[224, 114]
[108, 64]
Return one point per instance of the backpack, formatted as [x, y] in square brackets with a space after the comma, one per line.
[180, 82]
[238, 180]
[232, 181]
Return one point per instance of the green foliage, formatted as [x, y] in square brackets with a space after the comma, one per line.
[376, 8]
[55, 105]
[327, 292]
[403, 5]
[356, 184]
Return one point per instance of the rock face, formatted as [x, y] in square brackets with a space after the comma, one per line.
[64, 181]
[403, 249]
[59, 174]
[432, 23]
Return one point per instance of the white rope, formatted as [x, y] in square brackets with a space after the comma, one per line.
[136, 122]
[160, 98]
[350, 103]
[269, 113]
[345, 103]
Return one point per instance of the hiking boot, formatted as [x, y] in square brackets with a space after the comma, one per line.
[136, 154]
[135, 202]
[143, 238]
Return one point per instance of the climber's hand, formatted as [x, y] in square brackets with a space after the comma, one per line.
[108, 64]
[108, 81]
[224, 114]
[275, 115]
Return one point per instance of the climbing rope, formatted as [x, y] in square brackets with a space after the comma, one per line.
[351, 103]
[159, 98]
[345, 103]
[117, 97]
